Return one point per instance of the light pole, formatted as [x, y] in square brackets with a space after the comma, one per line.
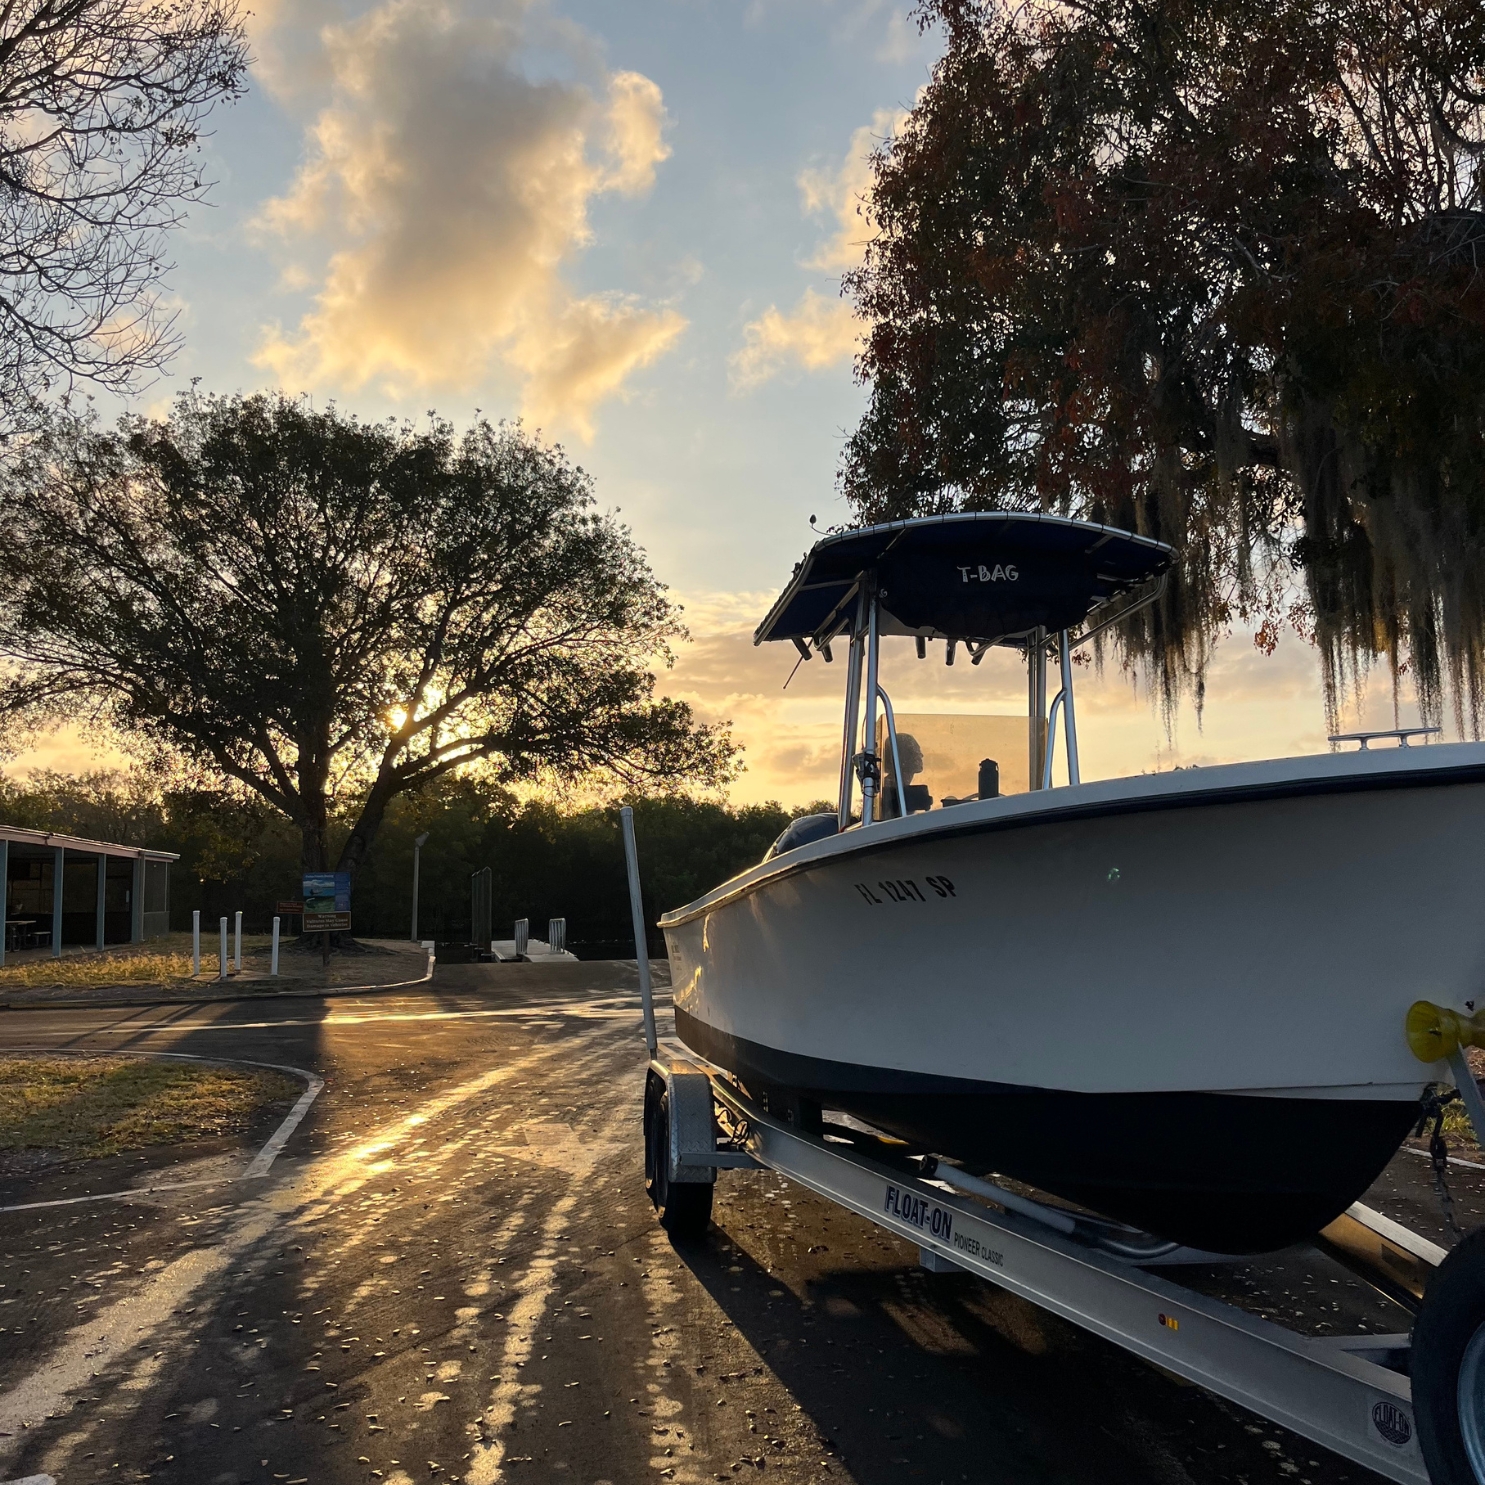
[418, 842]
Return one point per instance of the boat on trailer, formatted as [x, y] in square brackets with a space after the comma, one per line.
[1173, 999]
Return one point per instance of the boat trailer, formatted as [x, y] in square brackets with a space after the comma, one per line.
[1409, 1406]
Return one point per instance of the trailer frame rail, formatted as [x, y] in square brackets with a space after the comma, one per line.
[1350, 1394]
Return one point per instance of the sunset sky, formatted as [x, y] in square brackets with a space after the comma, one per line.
[624, 224]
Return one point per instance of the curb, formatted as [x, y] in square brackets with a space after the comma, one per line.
[328, 993]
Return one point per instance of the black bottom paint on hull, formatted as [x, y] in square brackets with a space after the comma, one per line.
[1223, 1172]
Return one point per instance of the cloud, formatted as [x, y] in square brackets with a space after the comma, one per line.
[446, 187]
[817, 333]
[902, 39]
[1257, 706]
[844, 193]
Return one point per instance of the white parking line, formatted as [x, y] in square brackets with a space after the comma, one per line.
[530, 1013]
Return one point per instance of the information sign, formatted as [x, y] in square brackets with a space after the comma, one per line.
[327, 922]
[327, 902]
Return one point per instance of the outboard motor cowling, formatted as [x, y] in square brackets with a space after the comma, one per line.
[802, 832]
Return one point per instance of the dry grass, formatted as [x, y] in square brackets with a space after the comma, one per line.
[99, 969]
[165, 965]
[1459, 1131]
[163, 962]
[78, 1107]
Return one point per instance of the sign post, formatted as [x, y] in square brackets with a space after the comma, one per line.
[327, 905]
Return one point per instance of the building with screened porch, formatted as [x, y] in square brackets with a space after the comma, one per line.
[62, 891]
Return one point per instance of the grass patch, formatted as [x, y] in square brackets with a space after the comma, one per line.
[99, 969]
[161, 962]
[1458, 1130]
[80, 1107]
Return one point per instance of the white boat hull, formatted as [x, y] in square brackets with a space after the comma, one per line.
[1109, 959]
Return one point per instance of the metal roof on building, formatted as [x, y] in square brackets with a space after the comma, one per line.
[50, 840]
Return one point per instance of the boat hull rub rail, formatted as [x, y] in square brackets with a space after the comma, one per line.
[1325, 1390]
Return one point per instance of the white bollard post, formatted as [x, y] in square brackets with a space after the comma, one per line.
[273, 970]
[237, 944]
[222, 951]
[196, 943]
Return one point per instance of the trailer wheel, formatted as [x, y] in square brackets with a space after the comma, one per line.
[685, 1208]
[1448, 1367]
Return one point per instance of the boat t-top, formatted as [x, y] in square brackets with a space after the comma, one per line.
[1174, 999]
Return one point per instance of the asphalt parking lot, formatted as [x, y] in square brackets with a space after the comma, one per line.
[451, 1273]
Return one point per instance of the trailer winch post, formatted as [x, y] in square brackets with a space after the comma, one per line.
[637, 912]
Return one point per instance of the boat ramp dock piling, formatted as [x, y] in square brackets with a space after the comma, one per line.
[524, 948]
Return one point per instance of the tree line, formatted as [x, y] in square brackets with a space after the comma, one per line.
[1205, 269]
[238, 854]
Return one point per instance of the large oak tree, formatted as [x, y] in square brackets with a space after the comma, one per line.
[318, 608]
[1215, 270]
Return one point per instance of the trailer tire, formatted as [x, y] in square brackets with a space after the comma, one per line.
[683, 1207]
[1448, 1367]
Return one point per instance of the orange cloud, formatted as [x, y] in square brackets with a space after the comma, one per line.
[448, 189]
[1257, 706]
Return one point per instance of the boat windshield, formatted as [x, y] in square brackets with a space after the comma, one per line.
[943, 757]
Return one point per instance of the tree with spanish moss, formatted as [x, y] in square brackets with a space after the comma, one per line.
[1213, 270]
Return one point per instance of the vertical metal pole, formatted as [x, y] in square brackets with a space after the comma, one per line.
[237, 943]
[4, 894]
[869, 726]
[273, 962]
[98, 910]
[848, 736]
[1036, 705]
[222, 951]
[59, 879]
[637, 912]
[1069, 721]
[417, 864]
[136, 899]
[196, 942]
[896, 753]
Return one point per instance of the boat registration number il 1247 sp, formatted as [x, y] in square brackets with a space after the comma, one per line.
[904, 889]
